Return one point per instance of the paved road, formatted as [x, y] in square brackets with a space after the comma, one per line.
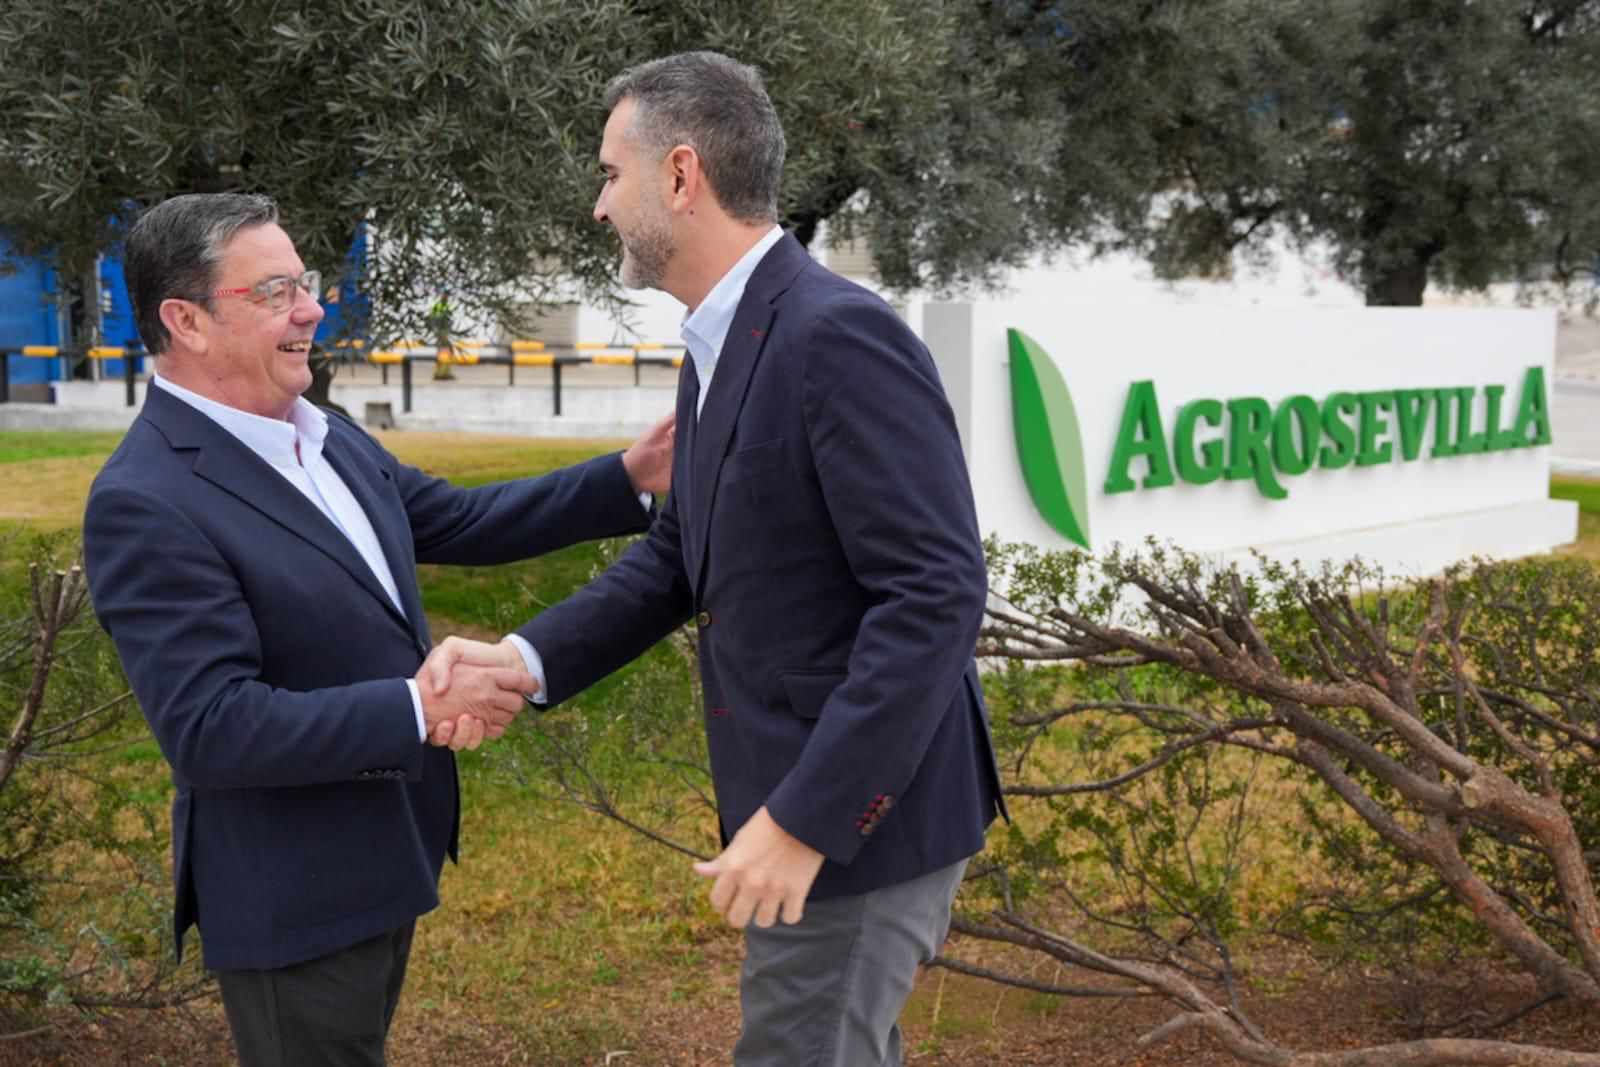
[1575, 403]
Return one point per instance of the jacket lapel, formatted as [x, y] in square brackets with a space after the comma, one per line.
[682, 466]
[741, 349]
[363, 477]
[220, 458]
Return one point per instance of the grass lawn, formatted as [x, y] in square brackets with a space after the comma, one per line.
[564, 938]
[1586, 491]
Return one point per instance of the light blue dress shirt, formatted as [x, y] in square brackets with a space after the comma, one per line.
[705, 329]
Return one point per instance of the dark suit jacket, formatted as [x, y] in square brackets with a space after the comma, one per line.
[271, 665]
[821, 532]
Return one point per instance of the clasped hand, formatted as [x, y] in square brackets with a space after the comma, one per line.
[469, 694]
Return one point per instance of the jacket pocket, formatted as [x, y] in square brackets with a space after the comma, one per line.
[808, 691]
[746, 462]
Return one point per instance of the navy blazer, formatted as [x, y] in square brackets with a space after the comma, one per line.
[271, 666]
[821, 532]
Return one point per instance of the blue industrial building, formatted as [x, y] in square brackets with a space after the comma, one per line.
[32, 315]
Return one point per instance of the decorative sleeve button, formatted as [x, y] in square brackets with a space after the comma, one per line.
[875, 810]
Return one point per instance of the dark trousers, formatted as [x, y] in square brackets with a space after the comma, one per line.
[333, 1011]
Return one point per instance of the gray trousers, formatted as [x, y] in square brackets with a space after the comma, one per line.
[827, 991]
[333, 1011]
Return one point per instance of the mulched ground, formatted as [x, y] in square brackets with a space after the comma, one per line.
[954, 1021]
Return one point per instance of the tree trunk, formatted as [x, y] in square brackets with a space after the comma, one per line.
[321, 382]
[805, 219]
[81, 291]
[804, 227]
[1401, 286]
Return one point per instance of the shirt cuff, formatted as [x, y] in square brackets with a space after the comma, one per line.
[647, 502]
[535, 665]
[416, 706]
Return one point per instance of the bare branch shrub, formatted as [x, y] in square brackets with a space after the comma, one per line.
[1447, 730]
[84, 898]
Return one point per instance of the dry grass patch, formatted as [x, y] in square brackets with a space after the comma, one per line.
[567, 931]
[45, 476]
[472, 459]
[49, 492]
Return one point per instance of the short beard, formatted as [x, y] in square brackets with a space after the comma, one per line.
[648, 251]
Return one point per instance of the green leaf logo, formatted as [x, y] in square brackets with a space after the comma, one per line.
[1049, 444]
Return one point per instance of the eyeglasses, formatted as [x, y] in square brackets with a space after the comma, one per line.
[278, 293]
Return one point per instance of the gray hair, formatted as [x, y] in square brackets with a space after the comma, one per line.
[718, 107]
[172, 252]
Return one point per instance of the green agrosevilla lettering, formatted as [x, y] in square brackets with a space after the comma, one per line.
[1248, 439]
[1249, 454]
[1140, 436]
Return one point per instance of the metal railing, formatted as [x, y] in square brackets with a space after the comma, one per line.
[517, 354]
[130, 375]
[459, 354]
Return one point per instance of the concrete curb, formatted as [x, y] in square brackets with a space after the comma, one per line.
[14, 416]
[17, 416]
[1582, 468]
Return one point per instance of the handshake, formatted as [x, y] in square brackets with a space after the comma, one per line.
[471, 690]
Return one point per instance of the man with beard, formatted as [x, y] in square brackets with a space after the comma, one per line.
[821, 535]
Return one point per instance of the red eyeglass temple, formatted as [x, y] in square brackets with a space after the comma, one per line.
[251, 289]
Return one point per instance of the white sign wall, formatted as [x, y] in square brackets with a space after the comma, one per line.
[1413, 516]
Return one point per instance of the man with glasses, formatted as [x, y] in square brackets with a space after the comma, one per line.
[253, 557]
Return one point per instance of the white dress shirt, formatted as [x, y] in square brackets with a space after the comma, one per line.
[293, 448]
